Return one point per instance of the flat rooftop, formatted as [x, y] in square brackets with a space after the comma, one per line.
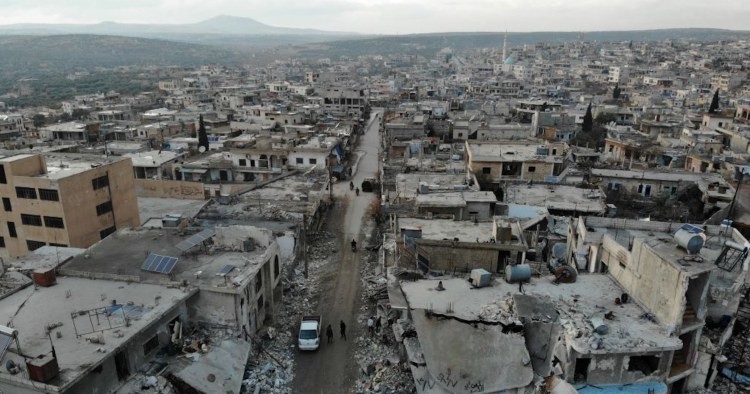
[152, 158]
[556, 197]
[45, 258]
[407, 185]
[124, 252]
[157, 208]
[504, 152]
[445, 229]
[591, 294]
[31, 309]
[662, 242]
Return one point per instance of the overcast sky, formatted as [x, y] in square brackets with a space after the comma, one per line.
[399, 16]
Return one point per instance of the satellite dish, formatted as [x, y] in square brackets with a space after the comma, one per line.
[201, 149]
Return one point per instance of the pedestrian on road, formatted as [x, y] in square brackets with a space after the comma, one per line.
[329, 334]
[378, 324]
[343, 330]
[371, 325]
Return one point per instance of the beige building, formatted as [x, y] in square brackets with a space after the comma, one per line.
[515, 160]
[63, 200]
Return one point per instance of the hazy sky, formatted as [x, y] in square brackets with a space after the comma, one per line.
[399, 16]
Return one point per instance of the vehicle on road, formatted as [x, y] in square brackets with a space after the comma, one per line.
[309, 333]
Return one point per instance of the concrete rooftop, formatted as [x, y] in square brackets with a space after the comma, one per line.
[590, 295]
[556, 197]
[124, 252]
[31, 309]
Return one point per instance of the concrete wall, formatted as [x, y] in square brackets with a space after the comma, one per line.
[215, 308]
[613, 368]
[654, 282]
[462, 256]
[169, 189]
[79, 201]
[540, 170]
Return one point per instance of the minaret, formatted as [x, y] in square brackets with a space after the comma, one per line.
[505, 46]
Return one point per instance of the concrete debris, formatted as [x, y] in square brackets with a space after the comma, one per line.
[382, 368]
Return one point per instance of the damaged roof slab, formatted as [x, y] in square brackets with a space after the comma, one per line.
[472, 365]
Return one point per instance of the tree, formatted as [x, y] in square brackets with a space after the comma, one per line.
[714, 103]
[616, 92]
[39, 120]
[544, 107]
[202, 136]
[80, 114]
[588, 121]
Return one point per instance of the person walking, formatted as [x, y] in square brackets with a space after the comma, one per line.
[329, 334]
[343, 330]
[371, 325]
[378, 324]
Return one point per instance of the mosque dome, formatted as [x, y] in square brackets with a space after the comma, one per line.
[510, 60]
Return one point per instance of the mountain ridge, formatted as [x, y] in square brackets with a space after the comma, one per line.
[220, 24]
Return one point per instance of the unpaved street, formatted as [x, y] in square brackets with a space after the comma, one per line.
[332, 369]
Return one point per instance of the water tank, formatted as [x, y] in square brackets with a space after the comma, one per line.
[517, 273]
[480, 277]
[424, 188]
[691, 242]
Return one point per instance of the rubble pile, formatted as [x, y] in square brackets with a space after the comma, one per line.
[272, 369]
[382, 369]
[269, 371]
[499, 310]
[576, 322]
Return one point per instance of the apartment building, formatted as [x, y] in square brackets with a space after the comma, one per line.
[63, 200]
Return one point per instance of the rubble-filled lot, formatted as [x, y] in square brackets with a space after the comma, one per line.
[381, 365]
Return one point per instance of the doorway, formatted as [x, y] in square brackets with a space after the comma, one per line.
[121, 365]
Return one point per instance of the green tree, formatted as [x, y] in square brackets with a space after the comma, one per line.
[80, 114]
[39, 120]
[544, 107]
[202, 136]
[714, 103]
[588, 121]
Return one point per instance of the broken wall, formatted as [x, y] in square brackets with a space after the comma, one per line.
[169, 189]
[655, 283]
[622, 368]
[235, 236]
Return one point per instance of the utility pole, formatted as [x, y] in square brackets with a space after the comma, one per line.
[304, 241]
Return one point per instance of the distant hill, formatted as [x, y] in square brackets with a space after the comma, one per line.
[30, 56]
[219, 25]
[428, 44]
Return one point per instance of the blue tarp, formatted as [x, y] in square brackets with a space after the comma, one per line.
[338, 169]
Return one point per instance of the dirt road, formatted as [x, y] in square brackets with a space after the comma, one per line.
[332, 369]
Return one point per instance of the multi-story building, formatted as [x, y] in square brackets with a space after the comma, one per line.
[63, 200]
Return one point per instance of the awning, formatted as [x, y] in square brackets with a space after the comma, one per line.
[338, 169]
[193, 170]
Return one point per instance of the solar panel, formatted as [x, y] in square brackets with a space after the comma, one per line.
[689, 228]
[195, 239]
[226, 270]
[5, 341]
[158, 263]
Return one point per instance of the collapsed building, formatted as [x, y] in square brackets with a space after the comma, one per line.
[621, 306]
[95, 317]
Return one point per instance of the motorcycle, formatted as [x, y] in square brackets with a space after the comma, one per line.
[351, 186]
[354, 248]
[357, 192]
